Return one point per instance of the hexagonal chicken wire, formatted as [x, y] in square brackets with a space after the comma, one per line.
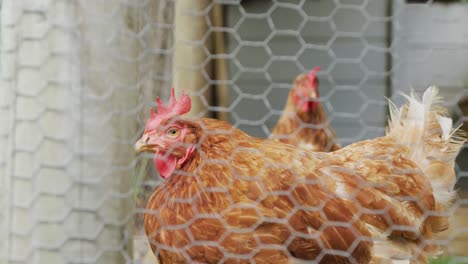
[78, 78]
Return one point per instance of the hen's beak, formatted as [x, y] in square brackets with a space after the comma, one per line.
[140, 146]
[313, 94]
[143, 145]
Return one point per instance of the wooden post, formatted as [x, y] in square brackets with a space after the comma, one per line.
[192, 43]
[220, 67]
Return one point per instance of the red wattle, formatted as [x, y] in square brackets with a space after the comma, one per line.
[165, 165]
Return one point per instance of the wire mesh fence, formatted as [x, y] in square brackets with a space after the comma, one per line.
[79, 78]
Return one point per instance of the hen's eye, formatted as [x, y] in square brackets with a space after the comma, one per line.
[173, 132]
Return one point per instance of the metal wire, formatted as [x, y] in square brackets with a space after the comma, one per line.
[79, 76]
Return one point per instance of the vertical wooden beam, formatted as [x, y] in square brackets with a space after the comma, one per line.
[220, 67]
[192, 44]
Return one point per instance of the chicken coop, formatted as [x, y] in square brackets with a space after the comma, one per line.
[79, 77]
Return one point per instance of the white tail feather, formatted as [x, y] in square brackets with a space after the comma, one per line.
[446, 125]
[431, 140]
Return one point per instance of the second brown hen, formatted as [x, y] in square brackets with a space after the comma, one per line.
[304, 122]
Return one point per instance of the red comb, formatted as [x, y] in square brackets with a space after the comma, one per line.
[312, 75]
[174, 108]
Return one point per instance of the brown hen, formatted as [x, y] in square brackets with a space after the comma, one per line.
[304, 122]
[229, 197]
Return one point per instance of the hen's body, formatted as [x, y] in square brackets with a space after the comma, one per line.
[307, 130]
[239, 197]
[245, 183]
